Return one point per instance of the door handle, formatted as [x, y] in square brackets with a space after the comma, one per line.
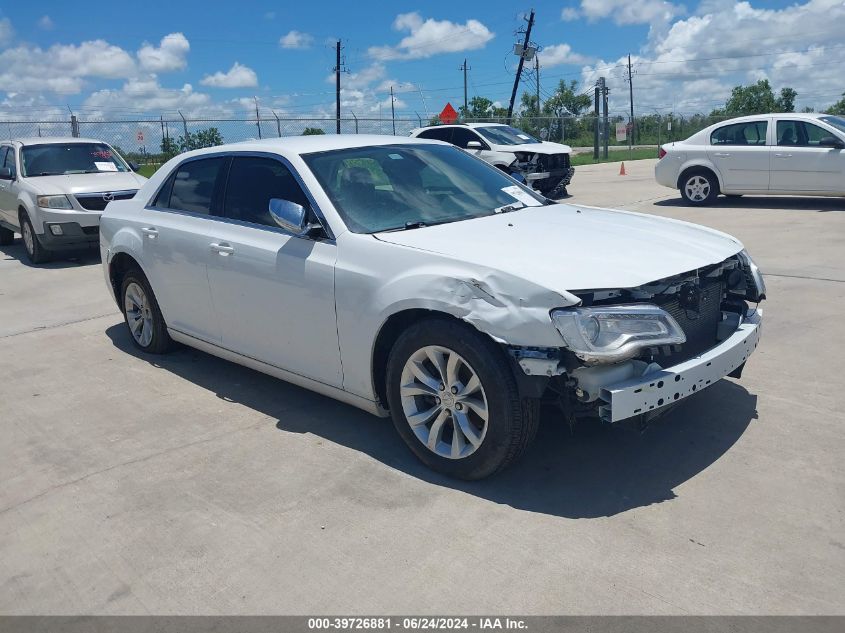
[150, 231]
[783, 155]
[721, 154]
[222, 249]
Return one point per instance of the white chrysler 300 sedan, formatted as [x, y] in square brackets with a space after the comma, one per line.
[411, 279]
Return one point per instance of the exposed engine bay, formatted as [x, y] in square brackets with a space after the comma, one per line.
[547, 173]
[709, 304]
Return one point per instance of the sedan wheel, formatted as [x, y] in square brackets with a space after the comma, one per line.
[699, 188]
[443, 402]
[139, 316]
[454, 400]
[143, 317]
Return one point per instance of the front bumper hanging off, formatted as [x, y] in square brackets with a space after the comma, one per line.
[657, 389]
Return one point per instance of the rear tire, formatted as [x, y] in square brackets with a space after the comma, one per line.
[142, 314]
[454, 400]
[35, 252]
[699, 187]
[7, 237]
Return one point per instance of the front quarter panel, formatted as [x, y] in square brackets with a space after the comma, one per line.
[375, 280]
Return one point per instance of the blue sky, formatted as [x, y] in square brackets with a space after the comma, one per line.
[211, 59]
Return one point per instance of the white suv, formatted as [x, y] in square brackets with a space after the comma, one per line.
[777, 154]
[53, 190]
[542, 165]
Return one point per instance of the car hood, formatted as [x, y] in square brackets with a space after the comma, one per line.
[567, 248]
[87, 183]
[536, 148]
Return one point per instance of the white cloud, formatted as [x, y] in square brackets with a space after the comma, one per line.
[238, 76]
[7, 33]
[296, 39]
[168, 56]
[701, 58]
[624, 11]
[45, 23]
[146, 94]
[558, 54]
[432, 37]
[62, 68]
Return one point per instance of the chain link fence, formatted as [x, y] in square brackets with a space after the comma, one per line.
[152, 141]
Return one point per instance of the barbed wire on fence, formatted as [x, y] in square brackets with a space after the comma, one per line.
[153, 140]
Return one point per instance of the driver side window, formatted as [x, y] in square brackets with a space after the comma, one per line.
[252, 182]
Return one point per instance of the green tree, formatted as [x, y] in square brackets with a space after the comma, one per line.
[568, 99]
[786, 101]
[838, 107]
[312, 131]
[197, 140]
[758, 98]
[169, 148]
[481, 108]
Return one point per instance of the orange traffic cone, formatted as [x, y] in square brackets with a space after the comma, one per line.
[622, 170]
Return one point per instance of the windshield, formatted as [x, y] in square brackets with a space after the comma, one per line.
[394, 187]
[836, 121]
[505, 135]
[56, 159]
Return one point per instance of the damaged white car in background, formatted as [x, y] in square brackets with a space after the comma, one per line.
[411, 279]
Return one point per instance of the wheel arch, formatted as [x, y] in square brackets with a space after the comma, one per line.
[698, 166]
[389, 333]
[119, 264]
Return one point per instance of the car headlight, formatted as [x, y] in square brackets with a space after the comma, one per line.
[758, 293]
[609, 334]
[54, 202]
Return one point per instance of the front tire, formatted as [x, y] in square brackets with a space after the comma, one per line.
[35, 252]
[142, 314]
[699, 188]
[454, 400]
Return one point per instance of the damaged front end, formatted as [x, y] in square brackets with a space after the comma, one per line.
[549, 174]
[634, 352]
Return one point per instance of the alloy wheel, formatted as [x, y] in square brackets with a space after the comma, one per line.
[28, 237]
[139, 314]
[444, 402]
[697, 188]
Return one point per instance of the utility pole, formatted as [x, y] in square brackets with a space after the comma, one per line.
[537, 76]
[596, 130]
[392, 111]
[337, 87]
[257, 117]
[631, 95]
[521, 64]
[465, 68]
[605, 124]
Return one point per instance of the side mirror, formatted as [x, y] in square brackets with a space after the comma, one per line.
[6, 173]
[133, 165]
[290, 216]
[831, 141]
[474, 145]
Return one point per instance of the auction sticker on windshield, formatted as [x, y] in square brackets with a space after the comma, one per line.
[523, 196]
[105, 166]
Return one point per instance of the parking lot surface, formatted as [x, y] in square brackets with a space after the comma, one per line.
[184, 484]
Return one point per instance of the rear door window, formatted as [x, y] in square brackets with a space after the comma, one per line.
[193, 186]
[747, 133]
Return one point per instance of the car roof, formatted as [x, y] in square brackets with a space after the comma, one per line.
[44, 140]
[779, 115]
[314, 143]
